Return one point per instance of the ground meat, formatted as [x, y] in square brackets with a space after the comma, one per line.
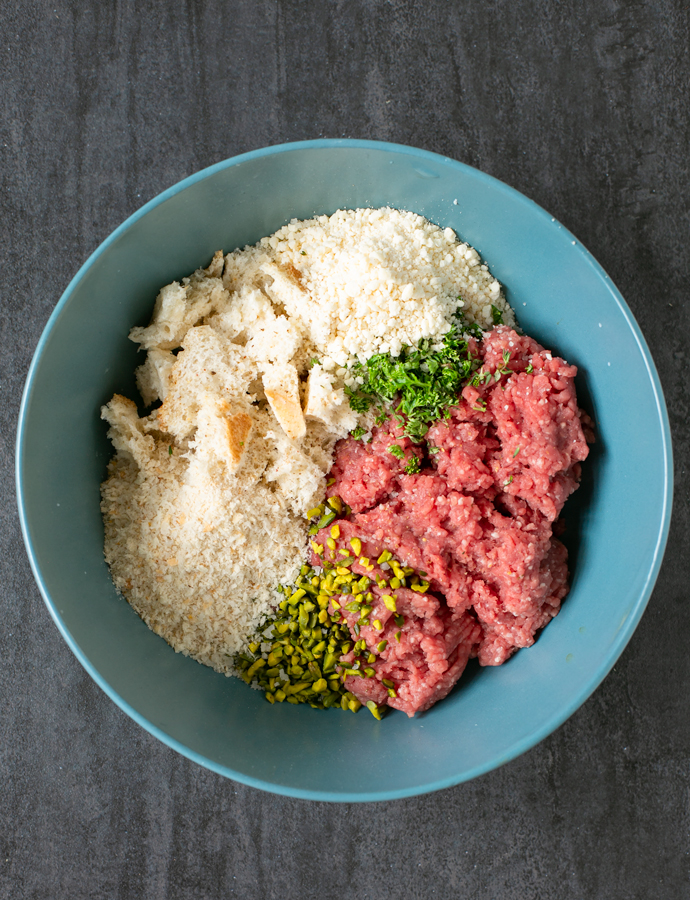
[365, 473]
[477, 520]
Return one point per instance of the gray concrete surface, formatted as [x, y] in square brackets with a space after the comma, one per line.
[584, 107]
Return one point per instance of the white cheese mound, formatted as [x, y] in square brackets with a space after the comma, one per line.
[375, 280]
[246, 367]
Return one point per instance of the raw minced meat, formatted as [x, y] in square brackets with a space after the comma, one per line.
[477, 520]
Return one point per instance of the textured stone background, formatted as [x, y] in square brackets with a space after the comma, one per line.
[582, 105]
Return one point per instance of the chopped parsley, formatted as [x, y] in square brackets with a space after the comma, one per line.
[529, 369]
[413, 466]
[421, 384]
[358, 432]
[465, 327]
[496, 315]
[482, 377]
[396, 450]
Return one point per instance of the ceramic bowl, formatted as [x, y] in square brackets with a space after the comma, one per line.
[617, 523]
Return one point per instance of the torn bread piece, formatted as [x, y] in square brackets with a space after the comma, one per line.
[126, 430]
[208, 364]
[281, 386]
[180, 306]
[285, 288]
[328, 403]
[222, 434]
[153, 377]
[251, 320]
[298, 477]
[215, 267]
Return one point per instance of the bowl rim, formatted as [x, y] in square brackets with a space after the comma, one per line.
[621, 639]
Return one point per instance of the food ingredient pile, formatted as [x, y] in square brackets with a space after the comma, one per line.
[347, 481]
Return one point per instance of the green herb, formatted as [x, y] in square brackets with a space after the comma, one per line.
[496, 315]
[380, 417]
[504, 370]
[396, 450]
[413, 466]
[303, 252]
[465, 327]
[314, 361]
[358, 432]
[529, 369]
[482, 377]
[421, 384]
[169, 449]
[516, 453]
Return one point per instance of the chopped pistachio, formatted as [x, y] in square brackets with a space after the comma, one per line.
[255, 666]
[377, 712]
[326, 519]
[389, 602]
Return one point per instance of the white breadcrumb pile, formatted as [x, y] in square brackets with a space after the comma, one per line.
[245, 370]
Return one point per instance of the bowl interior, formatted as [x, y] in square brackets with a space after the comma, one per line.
[617, 523]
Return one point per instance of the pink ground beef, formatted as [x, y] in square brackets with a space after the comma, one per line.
[478, 520]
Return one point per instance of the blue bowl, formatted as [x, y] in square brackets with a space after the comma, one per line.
[617, 524]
